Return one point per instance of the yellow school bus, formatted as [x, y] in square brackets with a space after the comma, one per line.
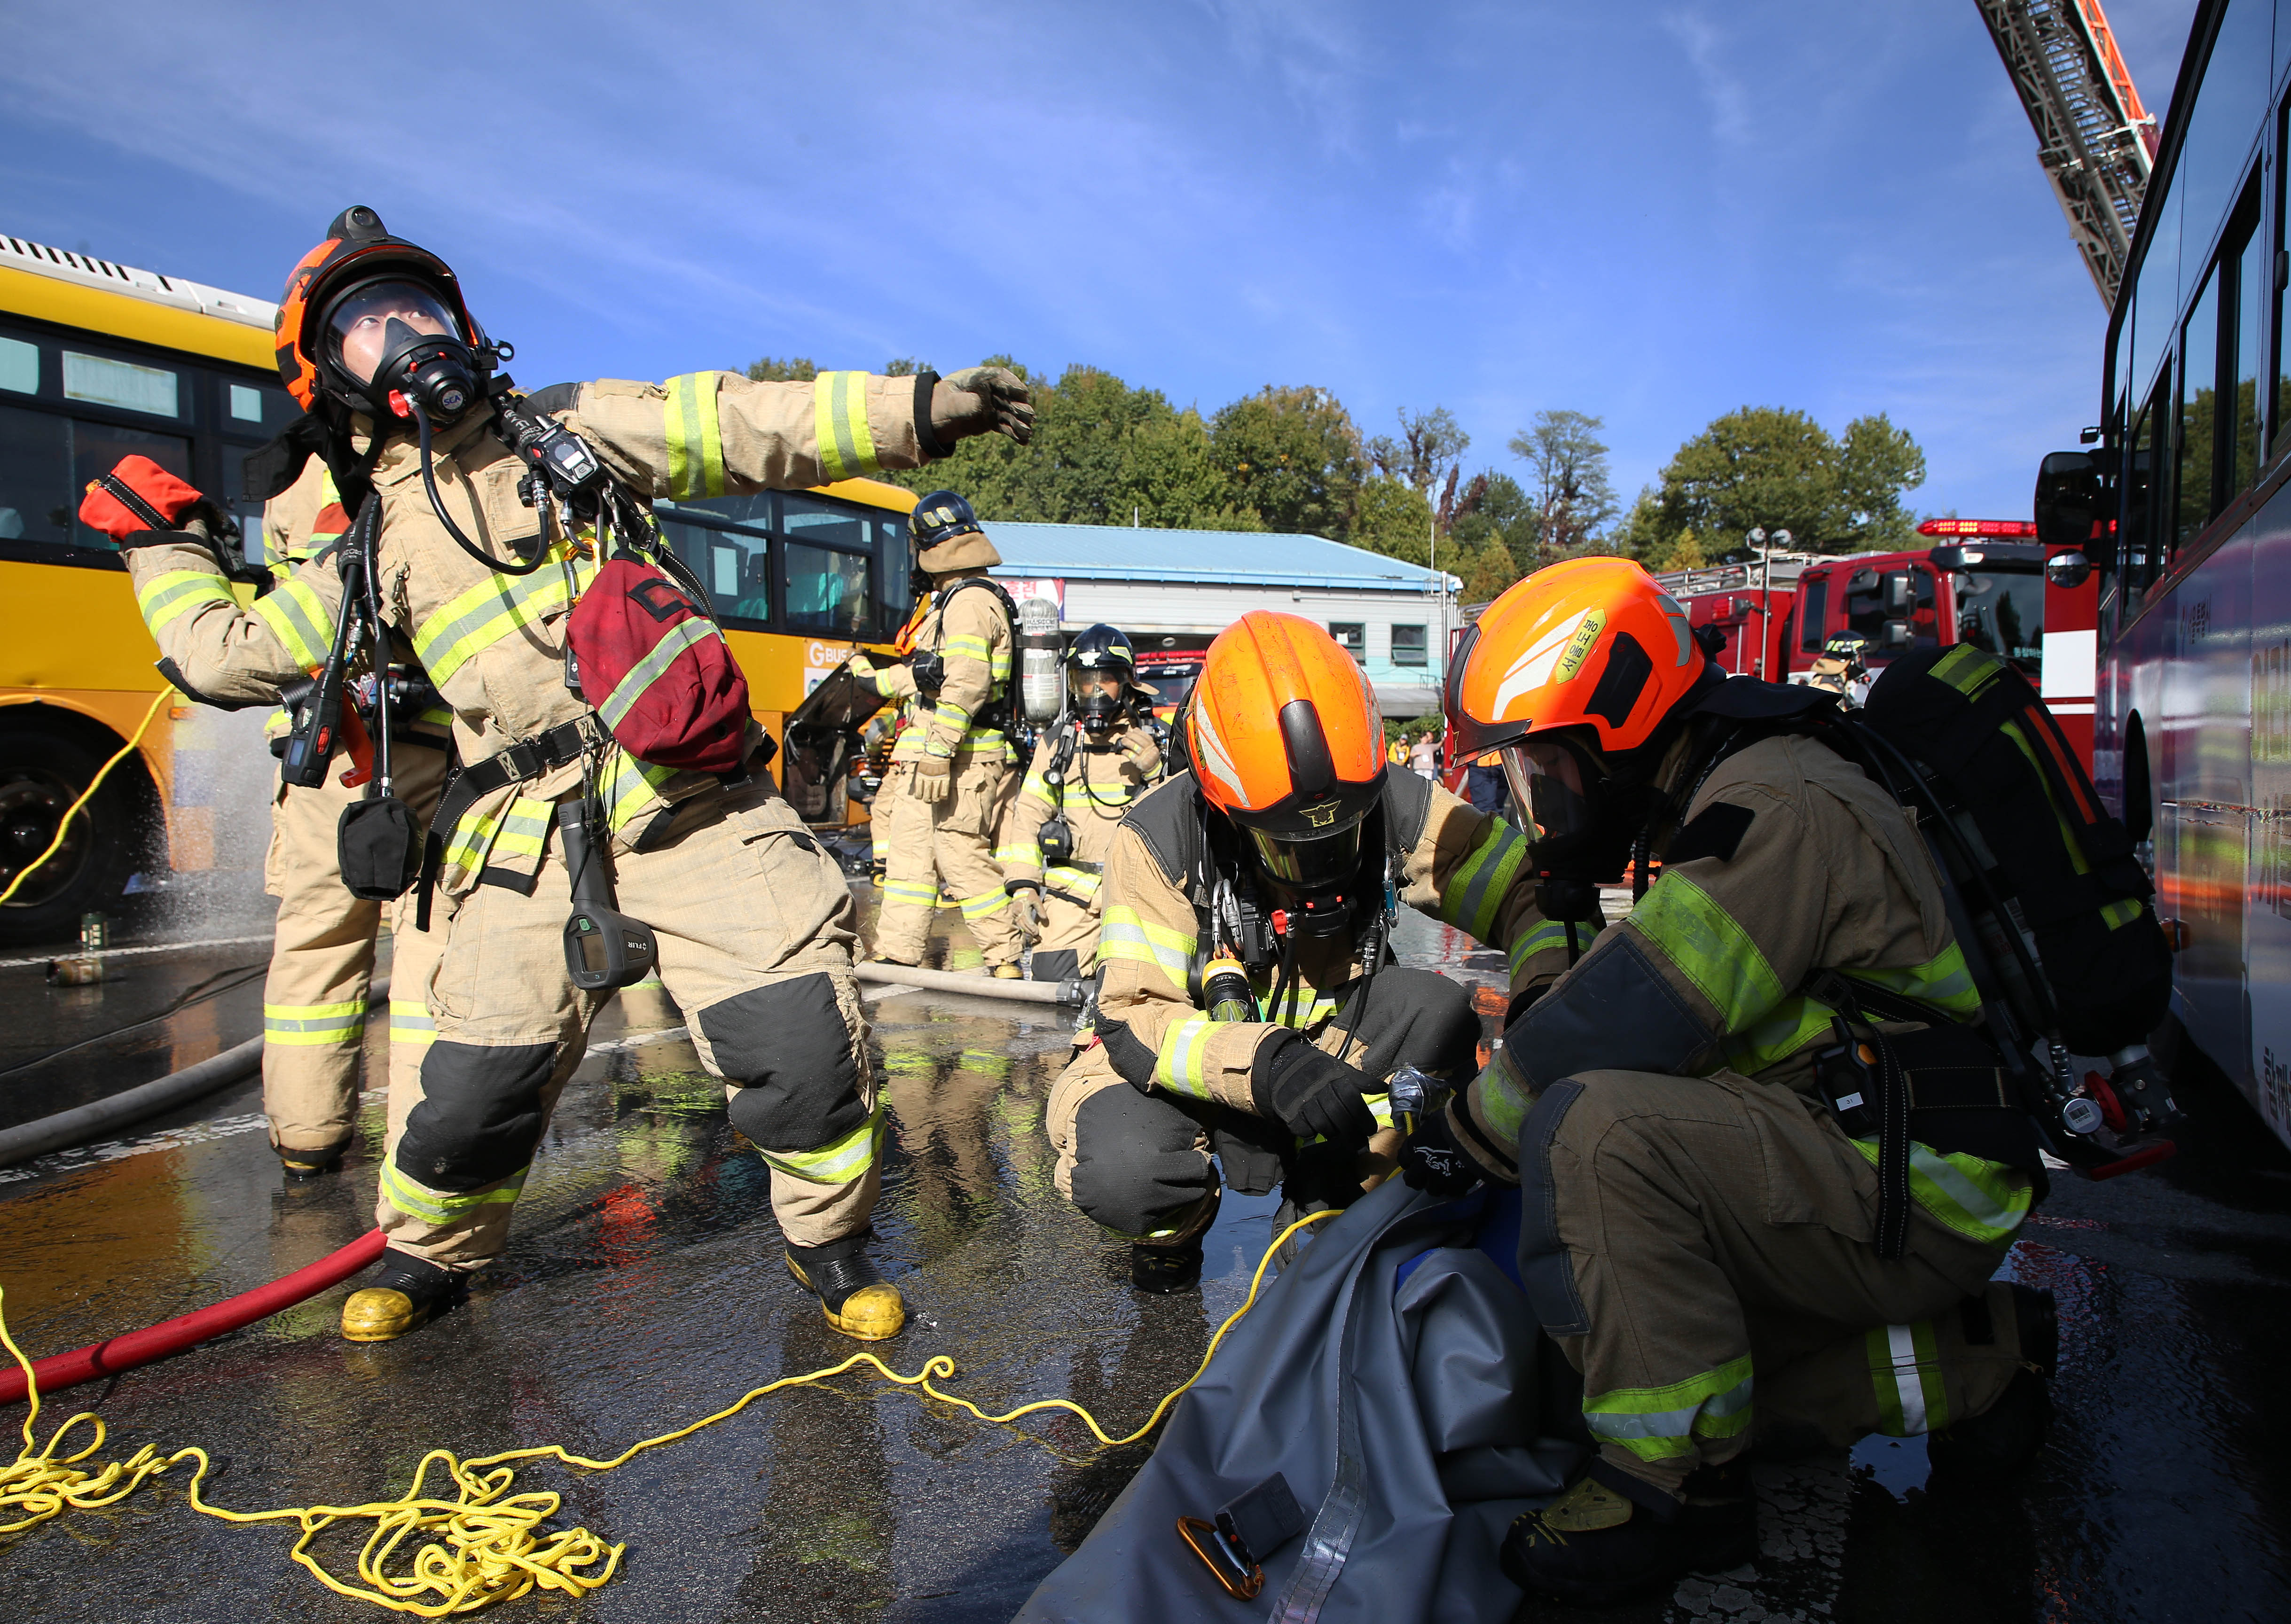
[98, 360]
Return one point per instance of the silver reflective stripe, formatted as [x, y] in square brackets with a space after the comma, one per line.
[649, 670]
[1901, 1341]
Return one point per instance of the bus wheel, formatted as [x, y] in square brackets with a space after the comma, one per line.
[43, 770]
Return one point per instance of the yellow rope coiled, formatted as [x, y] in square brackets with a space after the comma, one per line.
[486, 1545]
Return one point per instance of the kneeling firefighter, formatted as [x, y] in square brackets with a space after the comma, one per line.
[1248, 1003]
[509, 538]
[1763, 1124]
[945, 791]
[1086, 770]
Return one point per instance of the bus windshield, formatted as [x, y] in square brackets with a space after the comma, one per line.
[2002, 610]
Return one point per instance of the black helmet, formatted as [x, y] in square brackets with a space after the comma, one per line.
[423, 344]
[940, 517]
[1100, 648]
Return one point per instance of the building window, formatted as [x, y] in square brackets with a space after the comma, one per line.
[1352, 637]
[1409, 647]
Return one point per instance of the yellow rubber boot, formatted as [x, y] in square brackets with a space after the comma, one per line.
[407, 1294]
[856, 1301]
[1009, 972]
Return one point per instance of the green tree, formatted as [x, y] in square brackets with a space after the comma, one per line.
[1772, 468]
[1430, 449]
[1392, 517]
[771, 369]
[1290, 455]
[1505, 515]
[1573, 495]
[1486, 569]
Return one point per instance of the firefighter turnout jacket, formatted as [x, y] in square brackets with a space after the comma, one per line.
[1089, 785]
[965, 624]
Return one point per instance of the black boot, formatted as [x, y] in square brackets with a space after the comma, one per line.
[1166, 1270]
[2006, 1437]
[857, 1299]
[406, 1293]
[1611, 1537]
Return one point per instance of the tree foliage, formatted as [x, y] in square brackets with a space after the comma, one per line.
[1573, 495]
[1292, 457]
[1773, 468]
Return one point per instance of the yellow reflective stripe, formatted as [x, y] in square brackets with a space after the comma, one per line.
[1968, 669]
[1027, 854]
[2011, 730]
[1181, 1066]
[1661, 1423]
[167, 597]
[630, 787]
[1475, 892]
[965, 645]
[1943, 981]
[839, 1163]
[846, 448]
[313, 1025]
[443, 1206]
[1124, 935]
[525, 827]
[1905, 1368]
[1548, 935]
[411, 1022]
[949, 714]
[1796, 1022]
[1074, 880]
[985, 905]
[696, 440]
[1983, 1201]
[297, 617]
[1710, 948]
[472, 838]
[653, 666]
[2121, 912]
[911, 893]
[476, 619]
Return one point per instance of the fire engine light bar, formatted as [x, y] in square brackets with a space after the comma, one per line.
[1999, 529]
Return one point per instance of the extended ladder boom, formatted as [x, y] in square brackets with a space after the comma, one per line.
[2093, 138]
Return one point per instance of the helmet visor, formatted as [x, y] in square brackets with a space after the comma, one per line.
[1323, 862]
[1552, 783]
[358, 327]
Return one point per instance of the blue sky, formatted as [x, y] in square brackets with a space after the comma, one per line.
[1652, 212]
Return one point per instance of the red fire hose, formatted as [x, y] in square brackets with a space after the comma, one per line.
[124, 1353]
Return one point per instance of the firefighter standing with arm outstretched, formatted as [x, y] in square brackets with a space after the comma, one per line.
[754, 922]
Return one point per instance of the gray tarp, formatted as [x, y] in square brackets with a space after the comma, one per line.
[1390, 1377]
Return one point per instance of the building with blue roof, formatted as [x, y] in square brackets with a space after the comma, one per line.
[1174, 590]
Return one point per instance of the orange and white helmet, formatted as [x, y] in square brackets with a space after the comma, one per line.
[1572, 669]
[1287, 740]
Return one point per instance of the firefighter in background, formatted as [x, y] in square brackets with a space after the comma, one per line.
[314, 999]
[1248, 1002]
[949, 769]
[755, 923]
[1674, 1107]
[1841, 669]
[1086, 770]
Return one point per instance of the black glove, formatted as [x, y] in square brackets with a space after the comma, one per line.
[1312, 1093]
[1433, 1162]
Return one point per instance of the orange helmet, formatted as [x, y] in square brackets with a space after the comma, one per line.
[1592, 644]
[359, 253]
[1286, 739]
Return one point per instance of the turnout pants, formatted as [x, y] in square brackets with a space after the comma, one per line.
[1699, 1247]
[314, 1000]
[1138, 1164]
[1069, 931]
[756, 928]
[925, 843]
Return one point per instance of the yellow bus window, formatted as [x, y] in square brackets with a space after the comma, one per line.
[246, 403]
[20, 366]
[101, 382]
[36, 489]
[827, 590]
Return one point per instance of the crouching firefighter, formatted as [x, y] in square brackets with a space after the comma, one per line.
[1249, 1004]
[1086, 770]
[508, 538]
[945, 792]
[1762, 1131]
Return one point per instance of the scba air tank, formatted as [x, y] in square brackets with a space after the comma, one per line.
[1041, 683]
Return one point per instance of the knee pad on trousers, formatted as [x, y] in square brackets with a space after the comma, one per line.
[1415, 1018]
[479, 1116]
[1135, 1168]
[787, 1053]
[1055, 964]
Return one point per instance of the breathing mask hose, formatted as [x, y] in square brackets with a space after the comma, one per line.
[524, 567]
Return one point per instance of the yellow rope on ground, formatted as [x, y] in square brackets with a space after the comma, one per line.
[63, 824]
[486, 1546]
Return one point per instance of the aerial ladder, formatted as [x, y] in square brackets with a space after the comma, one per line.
[2095, 139]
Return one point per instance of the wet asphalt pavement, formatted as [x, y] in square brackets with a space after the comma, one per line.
[643, 1289]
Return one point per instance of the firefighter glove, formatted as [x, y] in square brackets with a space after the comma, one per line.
[932, 779]
[1433, 1162]
[1312, 1093]
[1027, 912]
[982, 400]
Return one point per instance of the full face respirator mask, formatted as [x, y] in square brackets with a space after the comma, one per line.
[396, 342]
